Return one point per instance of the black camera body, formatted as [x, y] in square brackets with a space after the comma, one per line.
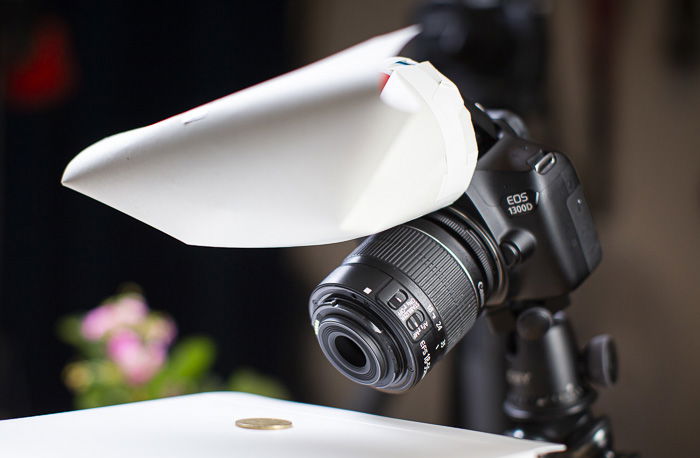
[406, 296]
[531, 202]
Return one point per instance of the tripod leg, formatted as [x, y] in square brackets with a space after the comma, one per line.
[479, 384]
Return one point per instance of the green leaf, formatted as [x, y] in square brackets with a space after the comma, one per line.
[68, 330]
[250, 381]
[100, 396]
[190, 359]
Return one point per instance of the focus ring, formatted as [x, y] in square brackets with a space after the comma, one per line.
[468, 237]
[433, 269]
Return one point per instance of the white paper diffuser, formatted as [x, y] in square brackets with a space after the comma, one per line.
[314, 156]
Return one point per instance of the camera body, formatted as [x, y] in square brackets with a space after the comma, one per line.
[404, 297]
[530, 201]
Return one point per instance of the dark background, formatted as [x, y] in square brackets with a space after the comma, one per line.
[132, 64]
[620, 94]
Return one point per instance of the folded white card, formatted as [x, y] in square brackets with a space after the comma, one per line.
[203, 426]
[315, 156]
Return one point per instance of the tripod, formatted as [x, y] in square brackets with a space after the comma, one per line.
[546, 390]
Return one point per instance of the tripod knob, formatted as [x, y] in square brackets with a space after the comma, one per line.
[600, 359]
[534, 323]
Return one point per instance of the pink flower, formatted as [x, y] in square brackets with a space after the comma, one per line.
[137, 361]
[97, 322]
[128, 310]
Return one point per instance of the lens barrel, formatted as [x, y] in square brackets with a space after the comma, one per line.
[403, 298]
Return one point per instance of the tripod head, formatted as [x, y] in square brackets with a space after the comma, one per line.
[549, 380]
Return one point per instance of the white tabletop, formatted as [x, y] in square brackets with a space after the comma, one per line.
[203, 426]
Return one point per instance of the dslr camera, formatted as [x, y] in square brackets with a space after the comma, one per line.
[406, 296]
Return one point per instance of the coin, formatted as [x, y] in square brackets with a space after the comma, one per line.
[263, 423]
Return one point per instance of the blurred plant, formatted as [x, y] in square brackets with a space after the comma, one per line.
[125, 355]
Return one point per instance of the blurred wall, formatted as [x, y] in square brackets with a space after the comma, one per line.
[642, 170]
[647, 290]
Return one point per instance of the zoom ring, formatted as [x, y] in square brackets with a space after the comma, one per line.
[433, 269]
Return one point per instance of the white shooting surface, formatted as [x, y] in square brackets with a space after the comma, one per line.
[203, 426]
[310, 157]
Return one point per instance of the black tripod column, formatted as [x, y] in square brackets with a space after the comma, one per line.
[549, 394]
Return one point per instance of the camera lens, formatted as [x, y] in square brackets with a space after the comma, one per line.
[403, 298]
[350, 351]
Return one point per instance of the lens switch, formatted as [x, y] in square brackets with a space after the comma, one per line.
[415, 320]
[398, 299]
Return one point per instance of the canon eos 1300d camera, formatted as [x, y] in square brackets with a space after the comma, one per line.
[406, 296]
